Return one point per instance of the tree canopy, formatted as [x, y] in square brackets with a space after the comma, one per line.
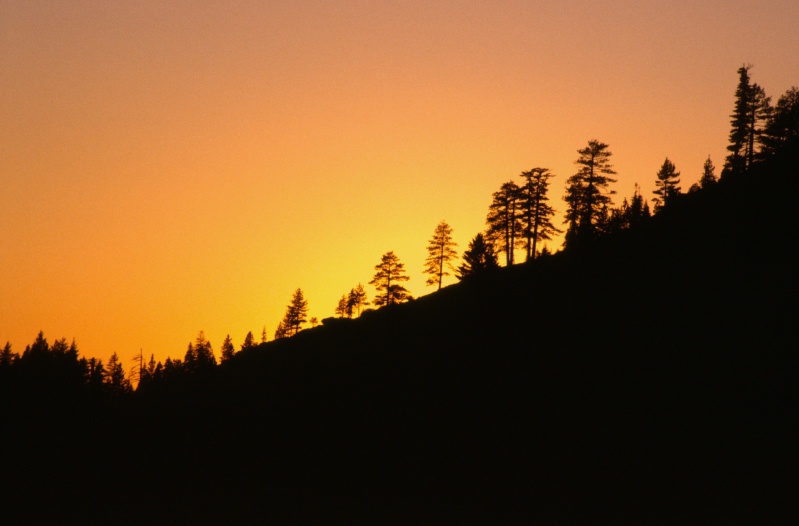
[389, 273]
[440, 254]
[588, 195]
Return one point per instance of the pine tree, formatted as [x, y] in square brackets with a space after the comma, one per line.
[666, 185]
[478, 258]
[7, 356]
[94, 373]
[536, 213]
[295, 315]
[115, 378]
[440, 254]
[281, 331]
[199, 356]
[587, 193]
[356, 300]
[148, 374]
[708, 178]
[752, 110]
[263, 335]
[504, 227]
[249, 341]
[227, 349]
[781, 133]
[341, 309]
[388, 275]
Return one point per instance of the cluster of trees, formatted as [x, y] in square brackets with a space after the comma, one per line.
[58, 368]
[759, 130]
[519, 218]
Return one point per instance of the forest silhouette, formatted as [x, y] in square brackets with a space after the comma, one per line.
[642, 374]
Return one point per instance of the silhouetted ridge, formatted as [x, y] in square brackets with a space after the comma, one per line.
[641, 377]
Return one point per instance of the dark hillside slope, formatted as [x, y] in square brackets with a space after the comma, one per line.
[644, 380]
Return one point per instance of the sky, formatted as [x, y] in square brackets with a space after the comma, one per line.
[168, 167]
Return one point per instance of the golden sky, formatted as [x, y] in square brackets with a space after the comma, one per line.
[168, 167]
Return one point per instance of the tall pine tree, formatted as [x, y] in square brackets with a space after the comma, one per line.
[440, 254]
[588, 194]
[389, 273]
[536, 213]
[666, 185]
[751, 112]
[504, 227]
[295, 315]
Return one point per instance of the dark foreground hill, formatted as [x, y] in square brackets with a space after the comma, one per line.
[647, 379]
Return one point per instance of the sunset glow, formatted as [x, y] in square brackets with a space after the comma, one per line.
[171, 167]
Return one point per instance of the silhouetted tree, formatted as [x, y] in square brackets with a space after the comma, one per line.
[173, 369]
[115, 378]
[781, 133]
[200, 356]
[388, 275]
[94, 373]
[587, 194]
[295, 315]
[342, 309]
[314, 321]
[536, 213]
[356, 300]
[708, 174]
[227, 349]
[504, 227]
[478, 258]
[7, 356]
[629, 214]
[666, 185]
[752, 109]
[281, 331]
[263, 335]
[38, 350]
[440, 254]
[249, 341]
[150, 373]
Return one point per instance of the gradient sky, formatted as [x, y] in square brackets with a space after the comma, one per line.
[171, 167]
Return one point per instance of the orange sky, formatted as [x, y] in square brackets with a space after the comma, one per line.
[170, 167]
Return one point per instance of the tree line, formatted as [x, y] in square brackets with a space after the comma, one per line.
[519, 218]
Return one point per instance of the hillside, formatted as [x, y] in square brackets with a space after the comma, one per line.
[645, 379]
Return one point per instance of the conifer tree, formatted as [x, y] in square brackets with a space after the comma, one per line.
[781, 133]
[94, 372]
[7, 356]
[115, 378]
[281, 331]
[708, 178]
[200, 355]
[587, 193]
[148, 374]
[504, 227]
[666, 185]
[440, 254]
[752, 110]
[356, 300]
[478, 258]
[227, 349]
[389, 273]
[295, 315]
[341, 309]
[249, 341]
[536, 213]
